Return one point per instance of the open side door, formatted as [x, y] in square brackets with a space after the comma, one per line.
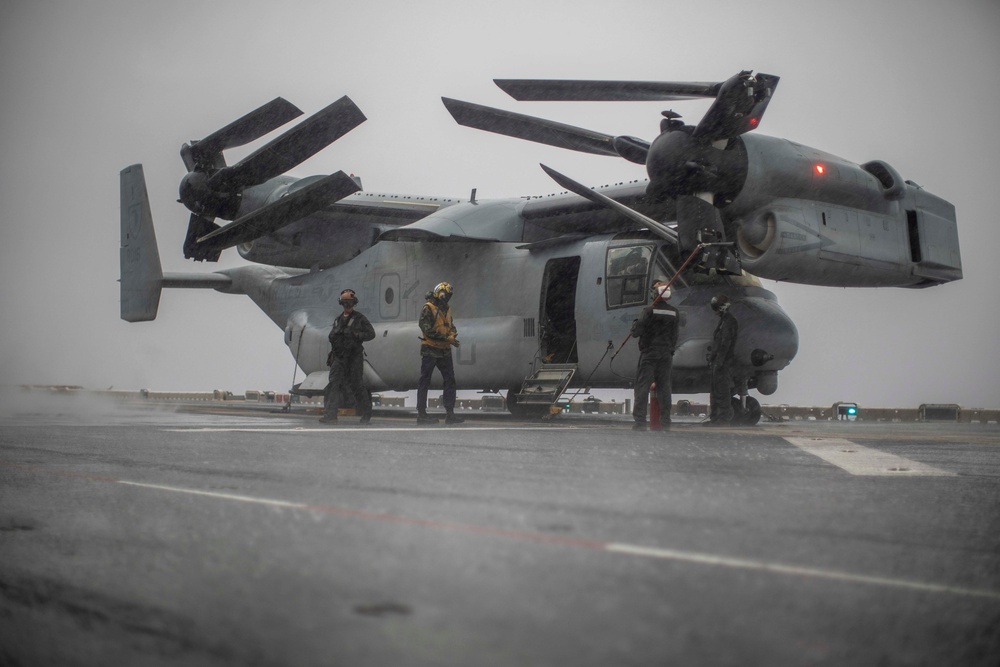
[558, 310]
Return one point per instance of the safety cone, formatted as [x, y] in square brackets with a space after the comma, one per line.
[654, 408]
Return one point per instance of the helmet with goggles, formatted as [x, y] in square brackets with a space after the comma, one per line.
[442, 292]
[721, 303]
[348, 298]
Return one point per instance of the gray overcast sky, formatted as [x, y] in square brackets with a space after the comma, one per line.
[90, 87]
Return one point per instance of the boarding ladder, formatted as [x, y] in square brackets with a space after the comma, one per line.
[544, 387]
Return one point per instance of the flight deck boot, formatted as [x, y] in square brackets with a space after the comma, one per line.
[452, 418]
[424, 418]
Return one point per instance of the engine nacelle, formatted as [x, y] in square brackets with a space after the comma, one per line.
[823, 244]
[807, 216]
[322, 239]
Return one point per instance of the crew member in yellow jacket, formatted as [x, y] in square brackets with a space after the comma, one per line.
[439, 336]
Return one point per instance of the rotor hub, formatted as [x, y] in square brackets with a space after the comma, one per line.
[680, 164]
[202, 200]
[666, 164]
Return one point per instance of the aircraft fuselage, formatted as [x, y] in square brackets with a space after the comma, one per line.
[517, 307]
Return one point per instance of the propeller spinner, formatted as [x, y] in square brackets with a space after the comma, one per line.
[211, 189]
[698, 166]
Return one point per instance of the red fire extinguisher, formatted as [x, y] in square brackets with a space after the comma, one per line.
[654, 408]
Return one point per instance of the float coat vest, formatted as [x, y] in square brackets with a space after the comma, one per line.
[442, 327]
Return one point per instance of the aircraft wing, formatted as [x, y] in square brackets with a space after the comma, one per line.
[339, 231]
[547, 218]
[569, 213]
[382, 209]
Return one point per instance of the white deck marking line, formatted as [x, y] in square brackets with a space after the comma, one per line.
[609, 547]
[793, 570]
[348, 429]
[216, 494]
[859, 460]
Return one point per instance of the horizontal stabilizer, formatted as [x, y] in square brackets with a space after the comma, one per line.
[288, 209]
[216, 281]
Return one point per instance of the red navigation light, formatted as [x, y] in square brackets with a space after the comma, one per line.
[753, 122]
[820, 169]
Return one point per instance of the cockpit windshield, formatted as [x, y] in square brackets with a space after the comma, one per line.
[632, 269]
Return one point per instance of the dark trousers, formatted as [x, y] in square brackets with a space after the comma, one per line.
[722, 394]
[447, 367]
[654, 366]
[347, 375]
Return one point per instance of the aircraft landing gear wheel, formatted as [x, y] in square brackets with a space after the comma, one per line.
[748, 417]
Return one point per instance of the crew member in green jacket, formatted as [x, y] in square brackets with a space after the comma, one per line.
[722, 360]
[346, 360]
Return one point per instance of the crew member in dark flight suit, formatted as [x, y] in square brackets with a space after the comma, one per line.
[656, 330]
[439, 336]
[722, 359]
[346, 360]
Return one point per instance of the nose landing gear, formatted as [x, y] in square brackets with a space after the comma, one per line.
[746, 415]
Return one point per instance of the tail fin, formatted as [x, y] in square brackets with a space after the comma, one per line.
[141, 273]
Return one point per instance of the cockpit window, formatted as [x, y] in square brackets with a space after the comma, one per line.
[627, 272]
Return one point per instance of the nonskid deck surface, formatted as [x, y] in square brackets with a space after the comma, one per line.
[137, 533]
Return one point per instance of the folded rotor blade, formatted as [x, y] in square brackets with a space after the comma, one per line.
[252, 126]
[738, 107]
[198, 227]
[528, 127]
[291, 148]
[575, 187]
[632, 149]
[249, 128]
[739, 104]
[567, 90]
[285, 211]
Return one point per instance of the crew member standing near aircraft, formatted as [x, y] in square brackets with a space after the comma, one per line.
[656, 330]
[721, 359]
[346, 360]
[439, 336]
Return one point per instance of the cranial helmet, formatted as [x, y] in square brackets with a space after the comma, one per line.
[721, 303]
[348, 297]
[442, 292]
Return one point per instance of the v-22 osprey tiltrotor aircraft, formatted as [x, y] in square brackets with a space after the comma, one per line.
[546, 287]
